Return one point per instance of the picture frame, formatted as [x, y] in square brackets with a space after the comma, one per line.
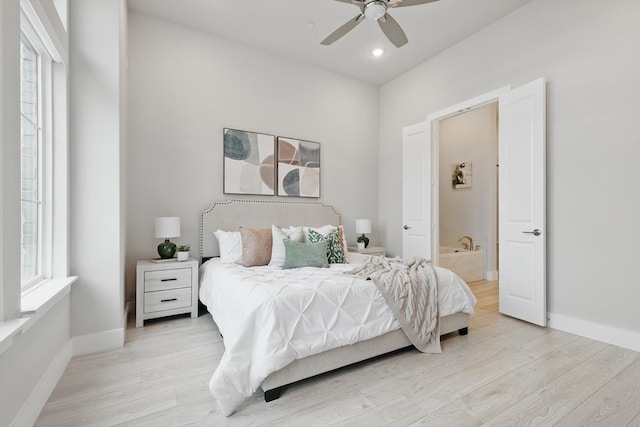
[298, 168]
[249, 162]
[461, 175]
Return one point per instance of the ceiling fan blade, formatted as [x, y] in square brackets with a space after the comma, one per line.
[356, 2]
[405, 3]
[350, 25]
[392, 30]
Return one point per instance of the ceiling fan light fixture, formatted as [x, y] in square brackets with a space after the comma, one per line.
[375, 9]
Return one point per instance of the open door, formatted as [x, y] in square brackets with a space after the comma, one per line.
[522, 203]
[416, 192]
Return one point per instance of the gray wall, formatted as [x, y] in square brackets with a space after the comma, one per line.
[186, 86]
[587, 51]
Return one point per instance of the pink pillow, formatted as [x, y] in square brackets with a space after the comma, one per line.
[256, 246]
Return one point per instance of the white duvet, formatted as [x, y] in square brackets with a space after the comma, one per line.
[269, 317]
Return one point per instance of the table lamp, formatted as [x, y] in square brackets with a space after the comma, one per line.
[363, 226]
[167, 227]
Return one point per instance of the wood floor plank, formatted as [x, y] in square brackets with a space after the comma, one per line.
[615, 404]
[496, 396]
[555, 400]
[505, 372]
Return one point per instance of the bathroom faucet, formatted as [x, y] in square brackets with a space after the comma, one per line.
[470, 247]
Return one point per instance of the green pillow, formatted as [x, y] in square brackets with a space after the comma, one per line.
[335, 249]
[305, 254]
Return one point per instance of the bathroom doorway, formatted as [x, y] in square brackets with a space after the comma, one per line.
[521, 198]
[468, 193]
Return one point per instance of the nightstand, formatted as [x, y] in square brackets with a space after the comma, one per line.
[166, 288]
[371, 250]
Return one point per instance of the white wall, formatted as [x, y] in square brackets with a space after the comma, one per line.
[186, 86]
[471, 136]
[587, 51]
[31, 360]
[9, 159]
[96, 173]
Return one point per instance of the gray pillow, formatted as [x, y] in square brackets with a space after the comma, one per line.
[305, 254]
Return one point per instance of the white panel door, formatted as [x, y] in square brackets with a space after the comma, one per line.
[522, 208]
[416, 192]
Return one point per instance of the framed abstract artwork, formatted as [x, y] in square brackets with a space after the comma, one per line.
[298, 168]
[249, 163]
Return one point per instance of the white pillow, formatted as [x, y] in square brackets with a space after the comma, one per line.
[279, 235]
[230, 243]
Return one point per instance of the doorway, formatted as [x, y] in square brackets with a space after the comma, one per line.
[468, 193]
[521, 199]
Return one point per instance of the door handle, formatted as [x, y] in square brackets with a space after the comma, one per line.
[406, 227]
[535, 232]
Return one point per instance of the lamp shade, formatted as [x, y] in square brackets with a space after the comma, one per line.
[167, 226]
[363, 226]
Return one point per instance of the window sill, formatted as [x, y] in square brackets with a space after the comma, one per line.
[37, 301]
[40, 298]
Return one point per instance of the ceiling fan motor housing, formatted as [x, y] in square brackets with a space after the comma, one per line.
[375, 9]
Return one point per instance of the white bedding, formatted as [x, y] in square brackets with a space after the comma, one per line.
[270, 317]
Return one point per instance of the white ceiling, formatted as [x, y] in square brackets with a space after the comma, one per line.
[295, 28]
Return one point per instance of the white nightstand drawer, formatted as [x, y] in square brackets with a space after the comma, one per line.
[167, 279]
[167, 300]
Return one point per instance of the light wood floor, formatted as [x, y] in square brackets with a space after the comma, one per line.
[505, 372]
[486, 291]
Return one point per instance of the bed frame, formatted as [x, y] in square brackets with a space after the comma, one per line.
[231, 214]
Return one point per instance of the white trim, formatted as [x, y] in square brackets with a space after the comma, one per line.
[37, 300]
[46, 22]
[491, 275]
[28, 414]
[98, 342]
[433, 133]
[34, 304]
[8, 330]
[596, 331]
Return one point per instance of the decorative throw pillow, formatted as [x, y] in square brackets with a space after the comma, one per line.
[278, 235]
[305, 254]
[335, 250]
[256, 246]
[343, 237]
[230, 244]
[324, 230]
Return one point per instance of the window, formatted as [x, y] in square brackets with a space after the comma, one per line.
[30, 160]
[36, 145]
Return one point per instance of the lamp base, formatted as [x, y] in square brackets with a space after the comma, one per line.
[166, 249]
[363, 239]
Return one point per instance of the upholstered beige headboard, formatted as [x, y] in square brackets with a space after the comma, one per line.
[229, 215]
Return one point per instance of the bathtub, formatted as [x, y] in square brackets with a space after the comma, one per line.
[469, 265]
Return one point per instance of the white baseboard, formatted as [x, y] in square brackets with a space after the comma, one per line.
[490, 275]
[31, 409]
[101, 341]
[610, 335]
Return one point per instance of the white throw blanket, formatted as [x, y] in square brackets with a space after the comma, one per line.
[411, 291]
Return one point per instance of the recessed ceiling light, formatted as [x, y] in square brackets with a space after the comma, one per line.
[377, 51]
[311, 25]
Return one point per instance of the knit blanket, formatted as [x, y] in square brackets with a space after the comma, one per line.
[410, 289]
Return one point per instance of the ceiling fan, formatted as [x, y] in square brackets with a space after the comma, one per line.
[376, 10]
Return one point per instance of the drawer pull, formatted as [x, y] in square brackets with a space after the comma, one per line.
[169, 300]
[169, 280]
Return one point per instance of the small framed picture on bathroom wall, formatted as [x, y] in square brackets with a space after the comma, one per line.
[461, 175]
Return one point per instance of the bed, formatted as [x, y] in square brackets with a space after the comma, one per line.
[311, 358]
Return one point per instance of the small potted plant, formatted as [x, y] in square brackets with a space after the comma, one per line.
[183, 252]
